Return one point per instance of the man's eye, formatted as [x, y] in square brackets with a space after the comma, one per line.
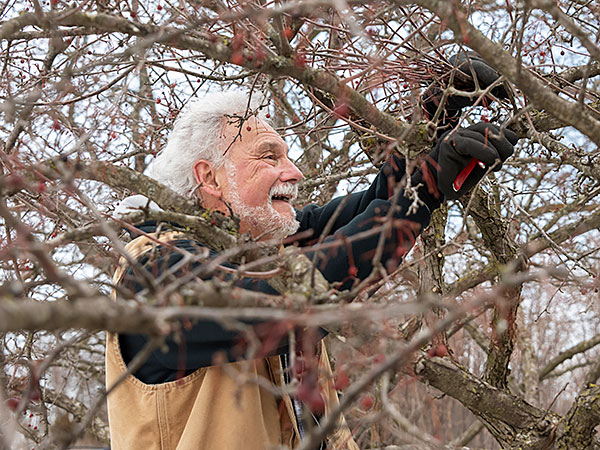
[271, 157]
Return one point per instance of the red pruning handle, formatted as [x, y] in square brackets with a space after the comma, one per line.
[460, 179]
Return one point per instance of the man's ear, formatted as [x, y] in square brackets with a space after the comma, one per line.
[206, 176]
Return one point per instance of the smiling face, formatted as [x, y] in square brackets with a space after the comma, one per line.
[258, 180]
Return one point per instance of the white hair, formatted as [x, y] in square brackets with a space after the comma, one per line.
[197, 135]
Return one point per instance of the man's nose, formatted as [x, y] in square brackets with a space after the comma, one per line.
[290, 172]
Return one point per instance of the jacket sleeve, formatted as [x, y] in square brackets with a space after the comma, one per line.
[315, 218]
[346, 256]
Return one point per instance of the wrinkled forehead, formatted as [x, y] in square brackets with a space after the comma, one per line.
[236, 135]
[234, 129]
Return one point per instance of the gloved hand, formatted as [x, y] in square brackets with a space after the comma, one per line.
[485, 74]
[455, 149]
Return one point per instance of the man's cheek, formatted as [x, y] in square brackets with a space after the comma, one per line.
[251, 198]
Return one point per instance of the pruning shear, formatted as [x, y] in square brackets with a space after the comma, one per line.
[462, 176]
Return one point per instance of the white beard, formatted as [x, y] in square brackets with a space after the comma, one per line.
[262, 220]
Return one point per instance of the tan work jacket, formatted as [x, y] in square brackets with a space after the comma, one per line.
[226, 407]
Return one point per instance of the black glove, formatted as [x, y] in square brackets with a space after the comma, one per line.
[485, 74]
[455, 149]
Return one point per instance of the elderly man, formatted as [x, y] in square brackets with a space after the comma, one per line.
[202, 391]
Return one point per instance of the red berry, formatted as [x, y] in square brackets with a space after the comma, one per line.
[248, 128]
[237, 58]
[441, 350]
[366, 402]
[268, 116]
[341, 380]
[158, 100]
[159, 7]
[12, 403]
[437, 350]
[352, 271]
[378, 359]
